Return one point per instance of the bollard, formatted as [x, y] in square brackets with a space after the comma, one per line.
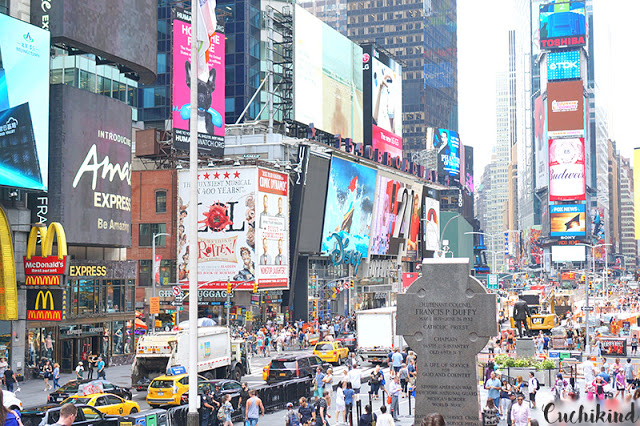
[370, 399]
[409, 398]
[358, 409]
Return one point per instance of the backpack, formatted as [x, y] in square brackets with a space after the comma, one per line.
[537, 384]
[293, 418]
[221, 413]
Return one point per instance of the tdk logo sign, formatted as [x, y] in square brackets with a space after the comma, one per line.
[563, 65]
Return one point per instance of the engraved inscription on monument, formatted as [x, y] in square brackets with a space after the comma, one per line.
[447, 317]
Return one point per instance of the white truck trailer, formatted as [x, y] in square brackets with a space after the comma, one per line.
[376, 331]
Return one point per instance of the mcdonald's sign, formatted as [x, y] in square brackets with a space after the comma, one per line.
[8, 288]
[43, 280]
[44, 305]
[47, 263]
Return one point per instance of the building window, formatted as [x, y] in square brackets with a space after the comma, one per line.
[85, 296]
[144, 273]
[146, 232]
[4, 6]
[161, 201]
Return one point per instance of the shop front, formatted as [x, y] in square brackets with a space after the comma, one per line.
[211, 304]
[326, 288]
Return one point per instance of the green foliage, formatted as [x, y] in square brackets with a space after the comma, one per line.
[504, 361]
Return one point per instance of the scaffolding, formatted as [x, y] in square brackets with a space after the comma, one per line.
[279, 25]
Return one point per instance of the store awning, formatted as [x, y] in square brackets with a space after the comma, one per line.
[140, 324]
[139, 314]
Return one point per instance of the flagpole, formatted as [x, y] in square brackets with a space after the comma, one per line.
[193, 418]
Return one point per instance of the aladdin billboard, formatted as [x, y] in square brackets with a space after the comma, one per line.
[567, 170]
[562, 24]
[565, 109]
[211, 82]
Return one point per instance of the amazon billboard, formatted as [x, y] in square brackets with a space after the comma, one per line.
[90, 173]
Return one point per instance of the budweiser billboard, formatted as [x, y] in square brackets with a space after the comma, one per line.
[565, 109]
[566, 170]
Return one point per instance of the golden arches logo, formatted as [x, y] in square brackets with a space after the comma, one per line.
[43, 280]
[44, 296]
[55, 230]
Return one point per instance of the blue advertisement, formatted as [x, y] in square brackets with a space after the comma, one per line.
[348, 211]
[447, 143]
[24, 105]
[567, 220]
[562, 24]
[563, 65]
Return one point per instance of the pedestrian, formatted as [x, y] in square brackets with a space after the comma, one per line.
[385, 419]
[68, 414]
[396, 361]
[244, 396]
[589, 374]
[404, 379]
[394, 393]
[56, 375]
[560, 387]
[355, 378]
[291, 418]
[80, 371]
[374, 380]
[505, 388]
[634, 345]
[228, 410]
[532, 385]
[341, 407]
[320, 414]
[101, 365]
[254, 408]
[10, 378]
[519, 385]
[91, 363]
[47, 373]
[490, 414]
[305, 412]
[207, 406]
[488, 370]
[629, 374]
[327, 382]
[493, 386]
[620, 384]
[348, 402]
[3, 366]
[512, 400]
[520, 413]
[317, 383]
[368, 418]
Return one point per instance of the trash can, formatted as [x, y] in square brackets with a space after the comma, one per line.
[155, 417]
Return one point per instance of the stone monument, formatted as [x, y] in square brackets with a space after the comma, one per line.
[447, 317]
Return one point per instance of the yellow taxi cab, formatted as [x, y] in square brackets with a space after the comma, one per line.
[106, 403]
[332, 352]
[168, 390]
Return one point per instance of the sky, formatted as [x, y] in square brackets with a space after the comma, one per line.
[483, 52]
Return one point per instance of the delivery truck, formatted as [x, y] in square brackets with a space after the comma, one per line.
[376, 334]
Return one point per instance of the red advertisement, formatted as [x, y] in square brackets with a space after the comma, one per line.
[49, 265]
[407, 279]
[385, 141]
[614, 346]
[567, 169]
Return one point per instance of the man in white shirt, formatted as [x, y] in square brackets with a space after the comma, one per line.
[533, 388]
[355, 377]
[394, 392]
[385, 419]
[520, 414]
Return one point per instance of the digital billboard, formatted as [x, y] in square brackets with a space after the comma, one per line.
[468, 169]
[327, 86]
[447, 144]
[431, 215]
[562, 24]
[211, 85]
[24, 105]
[349, 207]
[90, 173]
[541, 143]
[565, 108]
[568, 220]
[598, 233]
[272, 229]
[567, 170]
[563, 65]
[382, 101]
[561, 254]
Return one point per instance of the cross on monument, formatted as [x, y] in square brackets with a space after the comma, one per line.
[447, 317]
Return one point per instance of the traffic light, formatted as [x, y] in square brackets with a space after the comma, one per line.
[591, 285]
[582, 278]
[352, 284]
[255, 287]
[173, 319]
[229, 287]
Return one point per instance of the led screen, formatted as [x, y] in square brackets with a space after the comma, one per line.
[447, 144]
[565, 108]
[562, 24]
[568, 254]
[566, 169]
[568, 220]
[563, 65]
[24, 104]
[328, 88]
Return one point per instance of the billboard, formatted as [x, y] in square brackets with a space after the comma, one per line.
[598, 233]
[211, 82]
[382, 101]
[562, 24]
[568, 220]
[468, 169]
[636, 189]
[447, 144]
[24, 105]
[563, 65]
[432, 224]
[541, 143]
[327, 86]
[45, 305]
[566, 170]
[90, 188]
[568, 254]
[272, 230]
[349, 208]
[120, 31]
[565, 108]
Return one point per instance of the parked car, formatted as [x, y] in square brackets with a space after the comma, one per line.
[293, 367]
[106, 403]
[49, 414]
[348, 340]
[332, 352]
[227, 387]
[71, 388]
[168, 390]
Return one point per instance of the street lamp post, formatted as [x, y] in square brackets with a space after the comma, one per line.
[587, 343]
[153, 271]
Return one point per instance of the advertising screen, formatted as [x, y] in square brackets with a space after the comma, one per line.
[382, 101]
[90, 188]
[24, 105]
[598, 233]
[121, 31]
[328, 88]
[272, 230]
[565, 109]
[563, 65]
[447, 144]
[568, 220]
[566, 170]
[561, 254]
[541, 143]
[468, 169]
[562, 24]
[432, 225]
[211, 81]
[349, 207]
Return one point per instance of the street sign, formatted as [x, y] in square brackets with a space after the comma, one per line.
[154, 305]
[176, 291]
[587, 308]
[227, 304]
[493, 282]
[176, 303]
[249, 316]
